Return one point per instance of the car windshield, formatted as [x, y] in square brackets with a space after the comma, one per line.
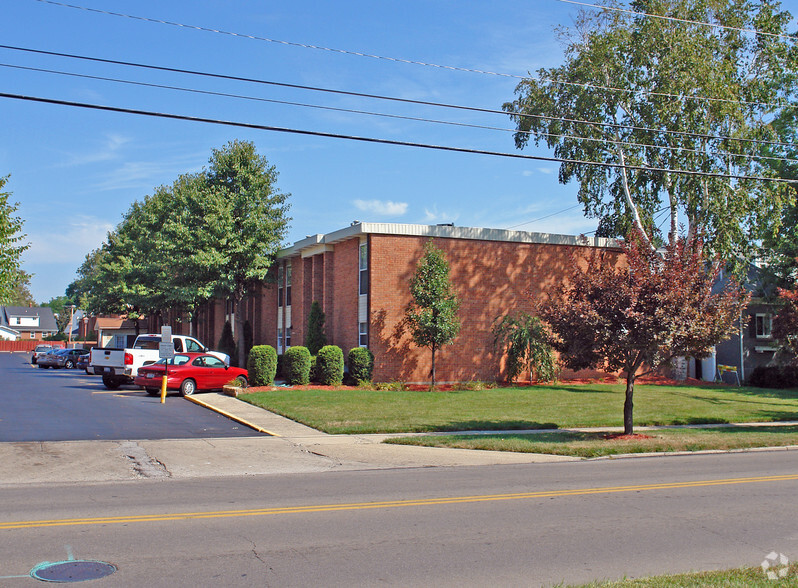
[147, 343]
[176, 360]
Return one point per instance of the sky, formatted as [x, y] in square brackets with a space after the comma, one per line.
[76, 171]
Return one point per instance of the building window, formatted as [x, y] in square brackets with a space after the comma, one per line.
[288, 285]
[364, 269]
[280, 278]
[287, 337]
[363, 334]
[279, 341]
[764, 324]
[32, 335]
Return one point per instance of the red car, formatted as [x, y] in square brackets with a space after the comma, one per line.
[188, 373]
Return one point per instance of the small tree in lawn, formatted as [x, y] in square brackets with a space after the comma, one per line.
[785, 323]
[658, 308]
[315, 338]
[431, 317]
[527, 343]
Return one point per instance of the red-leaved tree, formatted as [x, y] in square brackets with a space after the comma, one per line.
[785, 323]
[640, 316]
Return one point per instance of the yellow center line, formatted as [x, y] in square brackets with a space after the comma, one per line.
[118, 520]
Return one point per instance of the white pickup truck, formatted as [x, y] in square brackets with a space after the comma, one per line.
[119, 366]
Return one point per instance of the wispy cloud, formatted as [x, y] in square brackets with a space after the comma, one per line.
[69, 243]
[433, 216]
[381, 207]
[108, 150]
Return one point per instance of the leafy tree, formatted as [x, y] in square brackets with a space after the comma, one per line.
[59, 306]
[643, 97]
[12, 246]
[785, 324]
[315, 337]
[20, 295]
[642, 316]
[431, 316]
[528, 348]
[239, 223]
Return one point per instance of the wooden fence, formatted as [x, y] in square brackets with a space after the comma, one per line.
[28, 346]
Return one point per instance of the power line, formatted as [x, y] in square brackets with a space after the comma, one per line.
[681, 20]
[529, 222]
[393, 98]
[406, 61]
[385, 141]
[387, 115]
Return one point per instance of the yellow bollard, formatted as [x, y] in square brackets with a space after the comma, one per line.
[163, 390]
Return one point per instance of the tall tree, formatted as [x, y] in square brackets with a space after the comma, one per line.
[12, 245]
[21, 295]
[643, 97]
[642, 316]
[431, 316]
[315, 337]
[241, 221]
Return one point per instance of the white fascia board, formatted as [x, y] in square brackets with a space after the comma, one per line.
[444, 232]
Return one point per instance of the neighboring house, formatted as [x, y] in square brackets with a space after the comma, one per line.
[360, 275]
[8, 334]
[30, 322]
[117, 332]
[754, 345]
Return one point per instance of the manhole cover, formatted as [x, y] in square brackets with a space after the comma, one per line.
[72, 571]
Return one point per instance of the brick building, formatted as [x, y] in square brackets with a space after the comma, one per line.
[360, 275]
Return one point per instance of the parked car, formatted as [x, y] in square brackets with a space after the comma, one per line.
[39, 352]
[48, 359]
[62, 358]
[83, 363]
[189, 373]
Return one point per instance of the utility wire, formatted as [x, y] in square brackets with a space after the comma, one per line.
[385, 141]
[407, 61]
[387, 115]
[529, 222]
[681, 20]
[393, 98]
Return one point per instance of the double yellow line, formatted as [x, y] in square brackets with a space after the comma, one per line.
[259, 512]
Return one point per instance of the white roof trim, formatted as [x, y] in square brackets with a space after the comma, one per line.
[445, 232]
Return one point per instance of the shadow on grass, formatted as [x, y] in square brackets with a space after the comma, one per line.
[494, 426]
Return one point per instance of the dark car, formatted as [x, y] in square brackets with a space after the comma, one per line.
[83, 363]
[40, 351]
[62, 358]
[190, 372]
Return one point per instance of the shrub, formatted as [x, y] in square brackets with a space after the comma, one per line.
[391, 386]
[296, 365]
[774, 376]
[262, 365]
[227, 343]
[361, 364]
[315, 338]
[330, 366]
[314, 364]
[280, 365]
[475, 386]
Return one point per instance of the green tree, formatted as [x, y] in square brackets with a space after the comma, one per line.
[20, 295]
[431, 317]
[238, 225]
[644, 96]
[12, 246]
[315, 337]
[642, 316]
[227, 343]
[527, 343]
[61, 310]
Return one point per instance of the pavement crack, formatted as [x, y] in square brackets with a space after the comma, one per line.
[143, 465]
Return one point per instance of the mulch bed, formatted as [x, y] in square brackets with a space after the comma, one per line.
[622, 437]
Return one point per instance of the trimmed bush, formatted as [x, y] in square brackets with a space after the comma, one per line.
[262, 365]
[774, 376]
[361, 364]
[314, 374]
[330, 365]
[296, 365]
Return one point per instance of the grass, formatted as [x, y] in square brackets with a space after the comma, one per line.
[592, 445]
[737, 578]
[551, 406]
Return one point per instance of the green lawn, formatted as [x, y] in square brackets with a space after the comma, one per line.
[590, 445]
[561, 405]
[739, 578]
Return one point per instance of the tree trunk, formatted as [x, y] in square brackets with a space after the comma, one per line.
[432, 387]
[628, 405]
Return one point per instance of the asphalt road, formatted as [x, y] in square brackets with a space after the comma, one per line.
[68, 405]
[519, 525]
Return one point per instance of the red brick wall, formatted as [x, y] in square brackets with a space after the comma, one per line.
[343, 330]
[491, 278]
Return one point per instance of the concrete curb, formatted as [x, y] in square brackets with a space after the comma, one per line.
[231, 416]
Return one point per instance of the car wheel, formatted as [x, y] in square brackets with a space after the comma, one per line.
[110, 382]
[188, 387]
[240, 382]
[69, 364]
[154, 391]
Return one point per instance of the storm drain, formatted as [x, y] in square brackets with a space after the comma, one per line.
[72, 571]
